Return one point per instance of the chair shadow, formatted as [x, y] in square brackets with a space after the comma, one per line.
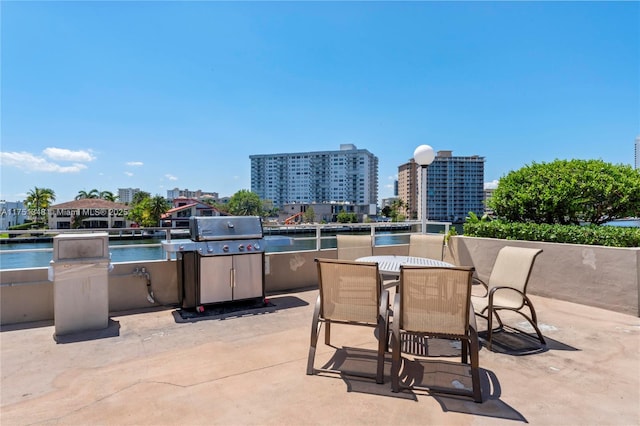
[511, 341]
[353, 363]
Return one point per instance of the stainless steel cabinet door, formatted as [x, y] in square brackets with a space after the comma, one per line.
[248, 276]
[216, 274]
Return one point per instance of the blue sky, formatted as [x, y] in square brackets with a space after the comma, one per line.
[158, 95]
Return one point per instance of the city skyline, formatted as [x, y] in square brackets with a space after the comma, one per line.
[159, 95]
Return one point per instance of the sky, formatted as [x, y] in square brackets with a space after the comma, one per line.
[170, 94]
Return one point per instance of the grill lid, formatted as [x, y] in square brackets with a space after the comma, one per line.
[210, 228]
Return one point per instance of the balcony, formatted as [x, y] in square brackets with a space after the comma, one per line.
[151, 366]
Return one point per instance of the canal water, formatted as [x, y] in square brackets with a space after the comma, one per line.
[35, 255]
[39, 254]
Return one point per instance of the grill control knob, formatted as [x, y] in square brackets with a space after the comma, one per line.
[225, 248]
[209, 250]
[256, 246]
[240, 247]
[249, 247]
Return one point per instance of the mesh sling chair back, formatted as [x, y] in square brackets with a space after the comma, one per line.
[349, 293]
[351, 247]
[427, 245]
[507, 288]
[436, 302]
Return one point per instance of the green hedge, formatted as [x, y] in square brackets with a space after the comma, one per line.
[612, 236]
[29, 225]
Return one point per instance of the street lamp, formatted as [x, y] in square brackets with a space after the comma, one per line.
[424, 155]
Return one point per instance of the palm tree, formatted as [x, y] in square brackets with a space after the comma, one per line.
[39, 200]
[107, 195]
[397, 206]
[94, 193]
[158, 207]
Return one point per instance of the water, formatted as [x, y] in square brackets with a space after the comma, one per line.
[633, 223]
[37, 255]
[17, 255]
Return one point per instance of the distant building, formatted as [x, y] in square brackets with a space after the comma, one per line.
[183, 209]
[488, 193]
[455, 187]
[197, 194]
[408, 188]
[324, 212]
[387, 202]
[125, 195]
[12, 213]
[638, 153]
[349, 175]
[88, 213]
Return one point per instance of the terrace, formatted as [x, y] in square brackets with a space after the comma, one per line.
[151, 366]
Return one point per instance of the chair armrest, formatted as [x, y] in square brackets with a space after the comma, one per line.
[477, 281]
[494, 290]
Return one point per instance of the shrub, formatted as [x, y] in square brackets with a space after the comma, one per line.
[612, 236]
[568, 192]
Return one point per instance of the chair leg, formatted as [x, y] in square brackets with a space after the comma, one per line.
[395, 361]
[491, 313]
[315, 328]
[382, 333]
[489, 327]
[465, 351]
[474, 348]
[327, 332]
[533, 320]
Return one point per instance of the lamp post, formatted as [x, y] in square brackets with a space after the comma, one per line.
[424, 155]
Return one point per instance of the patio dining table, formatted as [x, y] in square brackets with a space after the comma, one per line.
[389, 265]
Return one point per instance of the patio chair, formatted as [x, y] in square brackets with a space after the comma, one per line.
[507, 288]
[351, 247]
[349, 293]
[435, 302]
[427, 245]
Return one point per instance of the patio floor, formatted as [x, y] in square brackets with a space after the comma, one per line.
[157, 368]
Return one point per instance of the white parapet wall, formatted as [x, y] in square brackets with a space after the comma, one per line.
[598, 276]
[605, 277]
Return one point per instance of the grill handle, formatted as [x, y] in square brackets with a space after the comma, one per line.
[232, 277]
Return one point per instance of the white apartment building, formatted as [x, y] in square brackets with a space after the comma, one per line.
[125, 195]
[12, 213]
[198, 194]
[349, 175]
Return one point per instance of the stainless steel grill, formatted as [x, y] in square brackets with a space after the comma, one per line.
[223, 261]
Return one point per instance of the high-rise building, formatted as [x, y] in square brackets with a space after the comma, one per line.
[408, 188]
[348, 175]
[455, 187]
[638, 153]
[125, 195]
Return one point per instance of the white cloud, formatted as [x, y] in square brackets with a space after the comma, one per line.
[31, 163]
[135, 163]
[128, 174]
[170, 177]
[61, 154]
[491, 185]
[393, 177]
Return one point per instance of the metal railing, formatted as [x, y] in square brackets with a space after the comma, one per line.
[280, 238]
